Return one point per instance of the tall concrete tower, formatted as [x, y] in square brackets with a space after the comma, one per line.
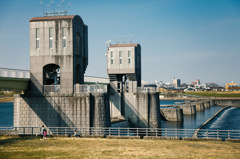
[58, 53]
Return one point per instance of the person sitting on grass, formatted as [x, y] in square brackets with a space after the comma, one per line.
[75, 133]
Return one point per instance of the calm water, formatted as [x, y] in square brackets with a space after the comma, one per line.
[6, 114]
[229, 120]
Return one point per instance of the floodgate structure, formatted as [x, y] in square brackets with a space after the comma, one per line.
[57, 95]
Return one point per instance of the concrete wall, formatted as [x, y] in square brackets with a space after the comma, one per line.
[228, 102]
[142, 110]
[199, 106]
[172, 114]
[78, 110]
[188, 109]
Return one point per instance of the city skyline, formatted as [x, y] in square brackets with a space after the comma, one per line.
[186, 39]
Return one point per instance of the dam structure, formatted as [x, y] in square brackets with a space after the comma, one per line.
[58, 61]
[57, 96]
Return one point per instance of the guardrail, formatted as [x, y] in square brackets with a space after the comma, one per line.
[146, 89]
[92, 88]
[51, 88]
[94, 131]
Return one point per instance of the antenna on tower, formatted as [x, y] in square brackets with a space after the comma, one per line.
[123, 37]
[41, 3]
[130, 38]
[52, 2]
[57, 12]
[63, 1]
[117, 39]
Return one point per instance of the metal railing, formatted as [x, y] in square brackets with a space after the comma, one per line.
[97, 131]
[146, 89]
[93, 88]
[51, 88]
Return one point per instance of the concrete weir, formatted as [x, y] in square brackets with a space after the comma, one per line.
[188, 109]
[172, 114]
[200, 107]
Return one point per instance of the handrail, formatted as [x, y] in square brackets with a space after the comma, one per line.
[109, 131]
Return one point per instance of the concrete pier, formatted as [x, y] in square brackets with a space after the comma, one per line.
[206, 104]
[188, 109]
[172, 114]
[200, 107]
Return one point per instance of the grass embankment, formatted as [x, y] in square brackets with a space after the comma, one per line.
[32, 147]
[6, 99]
[215, 94]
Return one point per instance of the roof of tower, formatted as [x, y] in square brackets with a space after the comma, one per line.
[48, 18]
[124, 45]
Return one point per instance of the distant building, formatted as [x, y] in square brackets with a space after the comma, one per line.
[195, 82]
[230, 84]
[176, 82]
[235, 87]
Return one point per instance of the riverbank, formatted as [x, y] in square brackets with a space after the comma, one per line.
[214, 93]
[6, 99]
[32, 147]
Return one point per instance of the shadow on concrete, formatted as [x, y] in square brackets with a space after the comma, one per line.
[44, 106]
[133, 113]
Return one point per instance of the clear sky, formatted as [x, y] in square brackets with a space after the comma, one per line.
[186, 39]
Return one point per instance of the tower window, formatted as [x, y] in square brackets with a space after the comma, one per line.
[129, 57]
[37, 38]
[111, 57]
[120, 57]
[64, 36]
[50, 38]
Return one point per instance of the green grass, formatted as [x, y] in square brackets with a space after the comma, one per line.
[214, 94]
[32, 147]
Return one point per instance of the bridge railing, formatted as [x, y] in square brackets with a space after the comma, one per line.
[100, 131]
[14, 73]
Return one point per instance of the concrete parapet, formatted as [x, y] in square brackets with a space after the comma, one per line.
[188, 109]
[172, 114]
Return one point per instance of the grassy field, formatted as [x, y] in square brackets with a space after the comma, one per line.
[215, 94]
[32, 147]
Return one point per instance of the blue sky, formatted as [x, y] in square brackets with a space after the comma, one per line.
[186, 39]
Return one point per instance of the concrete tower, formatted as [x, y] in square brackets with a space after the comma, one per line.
[127, 99]
[124, 66]
[58, 53]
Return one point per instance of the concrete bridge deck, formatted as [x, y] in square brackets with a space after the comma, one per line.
[19, 79]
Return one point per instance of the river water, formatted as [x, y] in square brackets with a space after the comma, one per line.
[229, 120]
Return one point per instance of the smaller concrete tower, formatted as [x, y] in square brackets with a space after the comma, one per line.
[124, 67]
